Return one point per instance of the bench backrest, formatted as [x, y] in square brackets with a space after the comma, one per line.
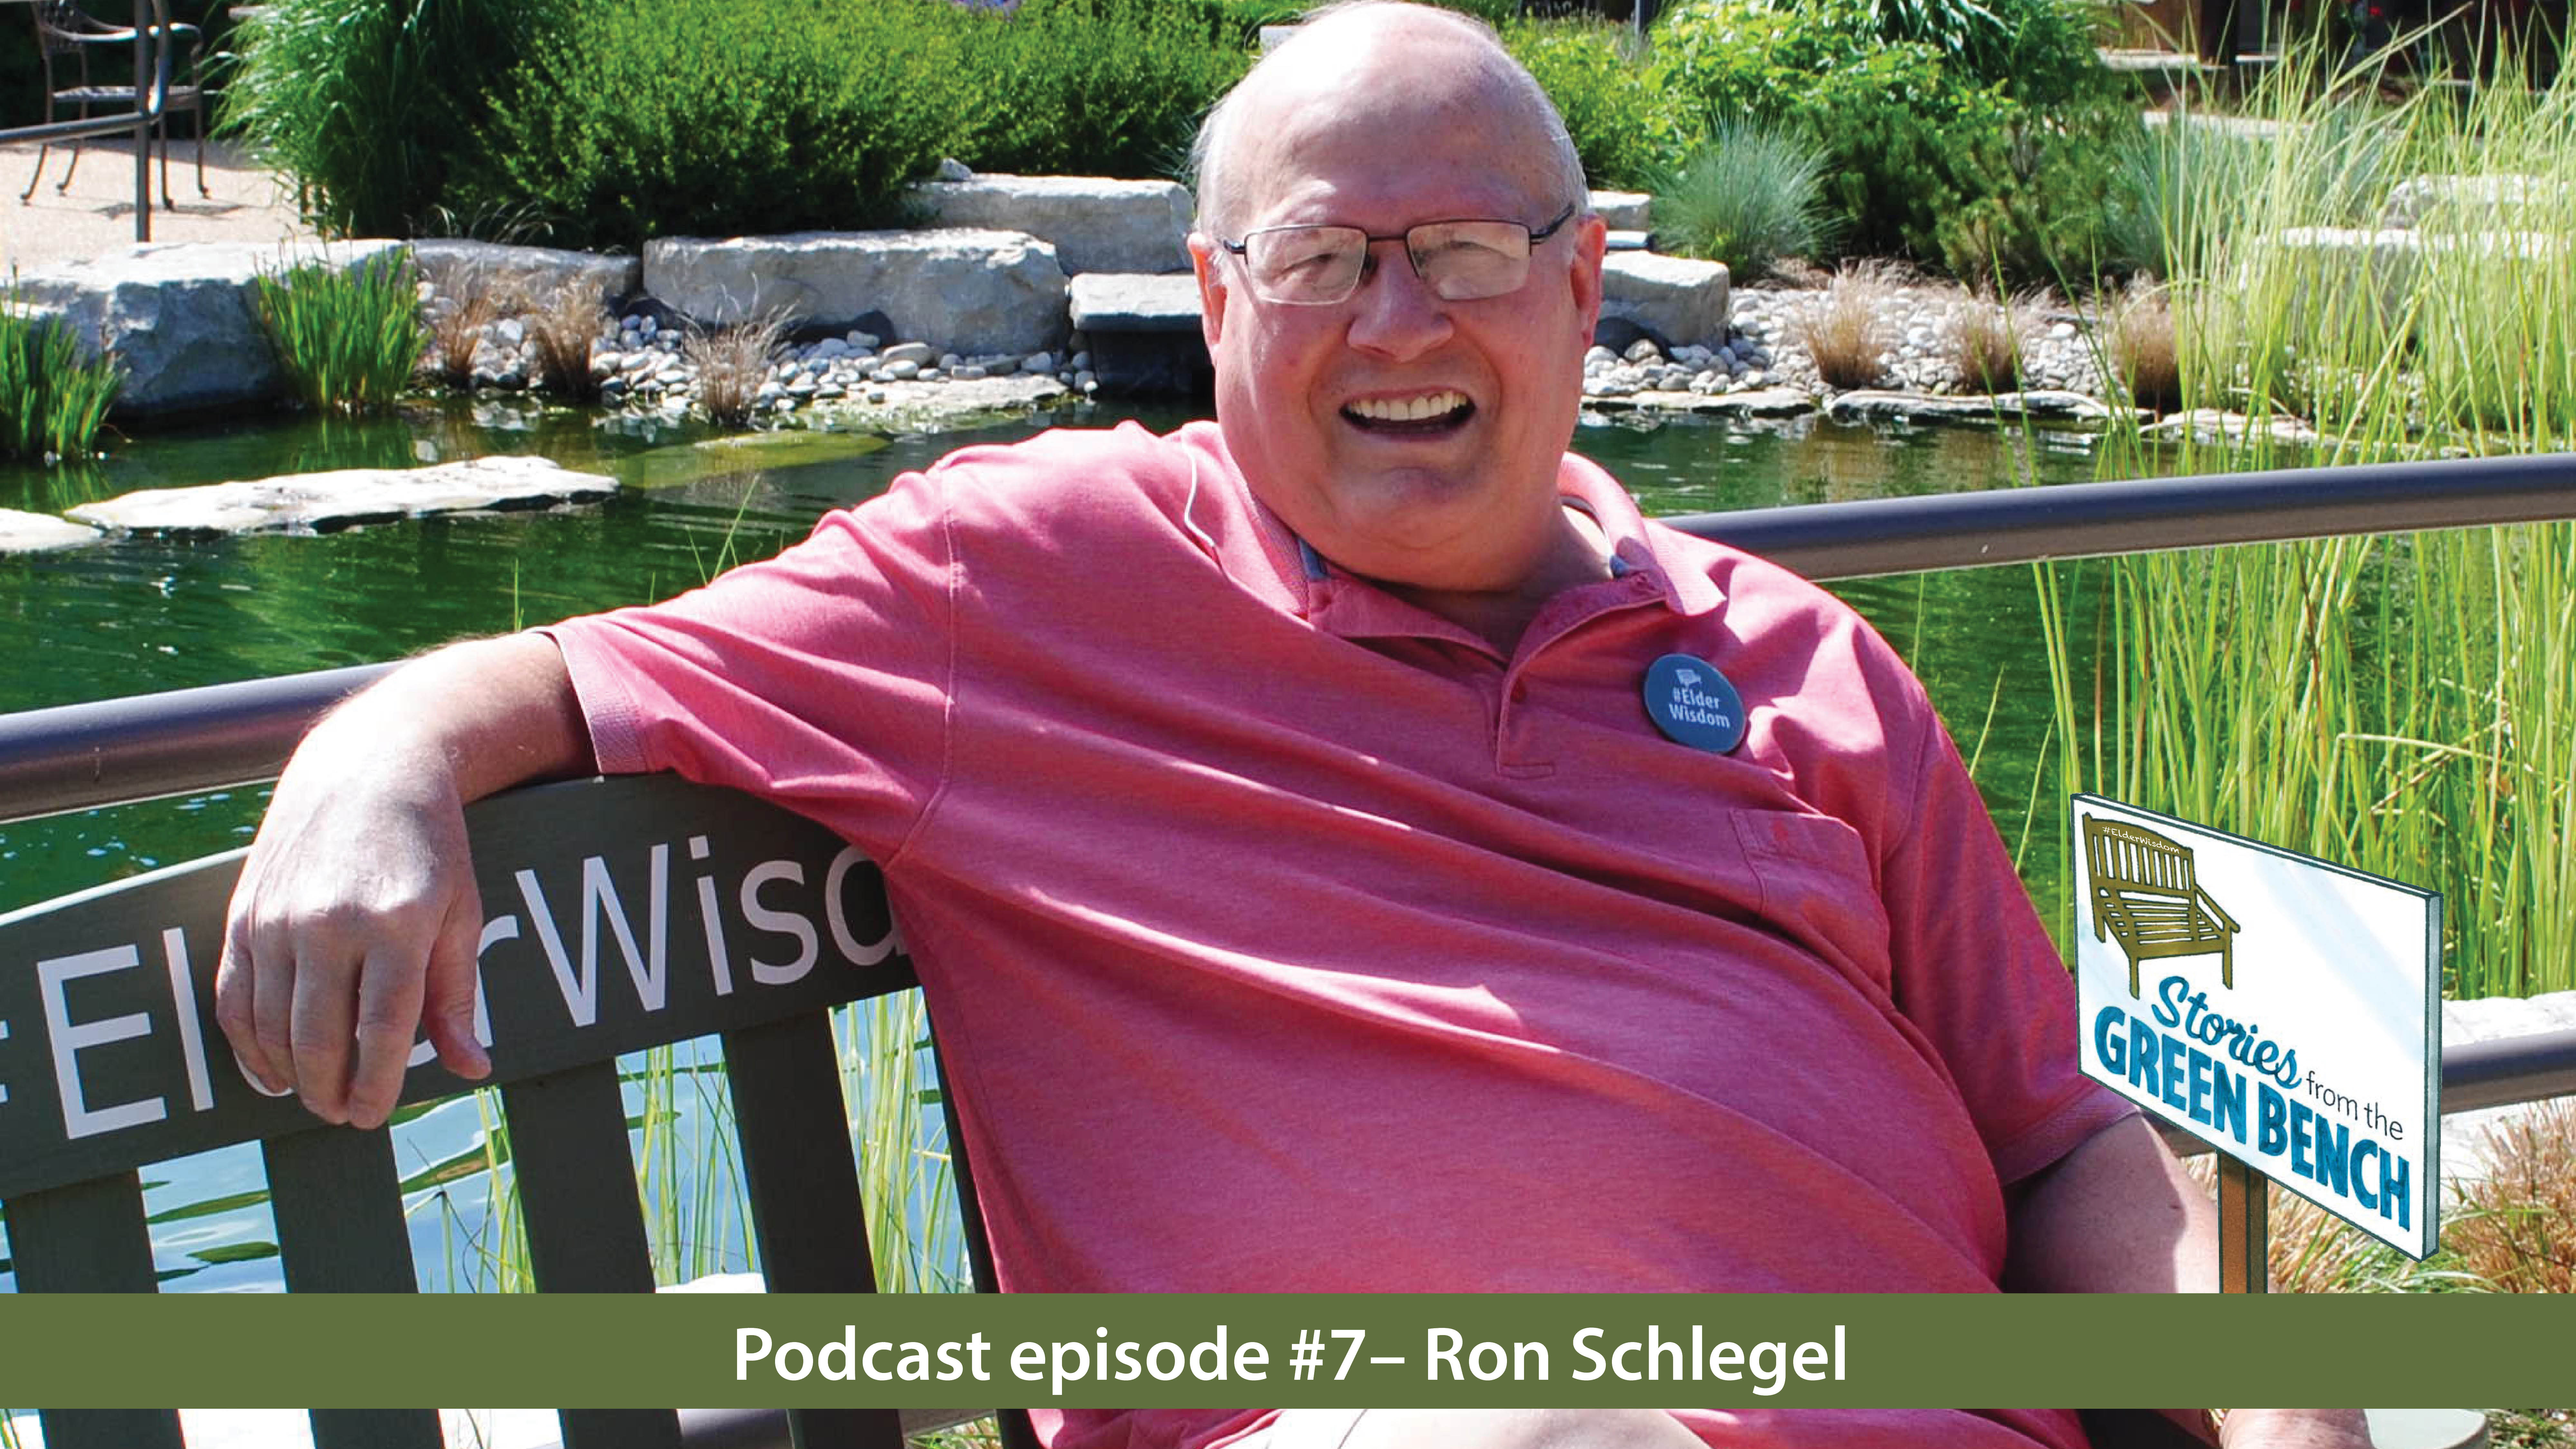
[620, 914]
[2125, 857]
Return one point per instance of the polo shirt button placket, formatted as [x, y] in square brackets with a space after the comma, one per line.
[1512, 733]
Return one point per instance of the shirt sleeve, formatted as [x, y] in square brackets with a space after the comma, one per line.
[1974, 970]
[819, 679]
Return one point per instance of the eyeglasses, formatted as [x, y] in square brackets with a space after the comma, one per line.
[1460, 261]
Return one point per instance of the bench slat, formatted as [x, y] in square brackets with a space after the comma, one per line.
[337, 1199]
[111, 1428]
[567, 1140]
[567, 1143]
[84, 1237]
[89, 1237]
[803, 1184]
[376, 1429]
[797, 1165]
[620, 1428]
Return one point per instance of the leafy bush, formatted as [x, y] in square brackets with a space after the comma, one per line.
[348, 337]
[52, 399]
[1092, 87]
[643, 118]
[1623, 126]
[1749, 196]
[371, 106]
[1982, 174]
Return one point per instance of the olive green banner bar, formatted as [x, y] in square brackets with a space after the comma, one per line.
[718, 1351]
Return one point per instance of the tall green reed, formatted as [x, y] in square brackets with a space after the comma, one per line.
[348, 337]
[2405, 704]
[52, 398]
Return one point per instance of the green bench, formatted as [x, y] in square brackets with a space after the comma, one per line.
[2145, 894]
[599, 942]
[621, 914]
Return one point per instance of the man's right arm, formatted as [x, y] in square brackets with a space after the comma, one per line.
[356, 919]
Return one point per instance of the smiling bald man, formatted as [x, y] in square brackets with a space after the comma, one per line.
[1345, 846]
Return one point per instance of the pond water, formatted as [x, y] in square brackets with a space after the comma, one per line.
[144, 615]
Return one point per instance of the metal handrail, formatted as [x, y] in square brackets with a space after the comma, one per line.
[74, 757]
[150, 58]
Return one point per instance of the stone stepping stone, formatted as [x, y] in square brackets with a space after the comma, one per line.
[2044, 405]
[328, 502]
[23, 532]
[1766, 402]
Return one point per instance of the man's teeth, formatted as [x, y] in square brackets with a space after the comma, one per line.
[1409, 410]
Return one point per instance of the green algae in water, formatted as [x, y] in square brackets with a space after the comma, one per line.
[684, 463]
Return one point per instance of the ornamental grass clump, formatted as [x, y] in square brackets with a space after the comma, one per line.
[564, 323]
[732, 364]
[2516, 1227]
[2136, 342]
[1845, 330]
[1749, 196]
[53, 399]
[349, 337]
[470, 300]
[1986, 337]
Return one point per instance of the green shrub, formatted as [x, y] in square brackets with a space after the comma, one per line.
[370, 106]
[52, 399]
[1092, 87]
[348, 337]
[644, 118]
[1749, 196]
[1621, 121]
[1977, 174]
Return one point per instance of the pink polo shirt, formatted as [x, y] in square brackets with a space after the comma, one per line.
[1285, 937]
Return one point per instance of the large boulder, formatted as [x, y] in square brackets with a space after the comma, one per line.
[1622, 210]
[1676, 298]
[177, 316]
[532, 271]
[1134, 302]
[1094, 223]
[328, 502]
[961, 290]
[2475, 203]
[2368, 275]
[1144, 331]
[2466, 1136]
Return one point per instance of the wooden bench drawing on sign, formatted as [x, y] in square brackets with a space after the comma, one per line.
[2144, 894]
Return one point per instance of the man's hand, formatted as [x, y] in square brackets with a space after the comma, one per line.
[356, 918]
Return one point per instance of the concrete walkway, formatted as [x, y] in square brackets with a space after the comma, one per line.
[96, 216]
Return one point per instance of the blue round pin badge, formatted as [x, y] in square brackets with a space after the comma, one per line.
[1693, 704]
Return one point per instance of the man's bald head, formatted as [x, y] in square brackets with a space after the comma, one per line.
[1414, 57]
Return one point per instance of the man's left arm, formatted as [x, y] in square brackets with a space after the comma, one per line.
[2095, 1202]
[2119, 1215]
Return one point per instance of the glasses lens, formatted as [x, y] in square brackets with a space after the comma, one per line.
[1462, 261]
[1306, 263]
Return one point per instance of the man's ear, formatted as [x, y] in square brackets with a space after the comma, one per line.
[1212, 289]
[1591, 244]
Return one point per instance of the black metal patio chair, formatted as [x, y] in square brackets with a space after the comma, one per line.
[65, 37]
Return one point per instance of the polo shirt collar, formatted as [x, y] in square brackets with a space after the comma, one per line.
[1316, 590]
